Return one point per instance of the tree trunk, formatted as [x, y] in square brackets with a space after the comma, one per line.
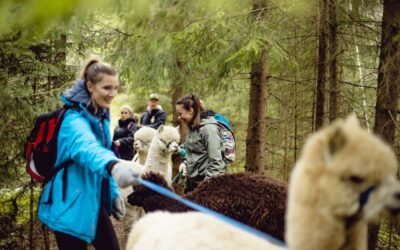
[360, 73]
[388, 81]
[31, 216]
[256, 154]
[332, 40]
[321, 66]
[176, 92]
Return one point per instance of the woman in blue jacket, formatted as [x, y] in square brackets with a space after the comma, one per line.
[77, 202]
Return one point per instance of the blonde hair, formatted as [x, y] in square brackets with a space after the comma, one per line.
[127, 108]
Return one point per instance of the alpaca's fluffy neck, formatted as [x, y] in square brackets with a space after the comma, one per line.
[142, 158]
[313, 232]
[158, 161]
[311, 227]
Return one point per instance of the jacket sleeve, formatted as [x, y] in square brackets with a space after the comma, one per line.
[141, 119]
[78, 142]
[114, 191]
[212, 139]
[128, 140]
[160, 119]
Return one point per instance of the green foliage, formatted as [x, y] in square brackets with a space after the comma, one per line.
[15, 215]
[396, 38]
[299, 8]
[31, 76]
[153, 44]
[37, 16]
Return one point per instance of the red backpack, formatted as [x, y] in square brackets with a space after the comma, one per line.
[41, 146]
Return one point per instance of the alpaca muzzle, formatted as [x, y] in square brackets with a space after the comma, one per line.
[394, 207]
[172, 147]
[138, 144]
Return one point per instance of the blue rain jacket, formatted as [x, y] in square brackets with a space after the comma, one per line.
[86, 140]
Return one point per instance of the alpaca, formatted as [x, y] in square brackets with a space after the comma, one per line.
[256, 200]
[142, 140]
[150, 154]
[344, 179]
[163, 145]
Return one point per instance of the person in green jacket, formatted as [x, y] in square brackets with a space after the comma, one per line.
[203, 142]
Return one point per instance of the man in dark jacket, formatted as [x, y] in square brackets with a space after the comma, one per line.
[154, 117]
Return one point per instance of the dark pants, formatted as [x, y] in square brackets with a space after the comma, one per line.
[106, 238]
[192, 183]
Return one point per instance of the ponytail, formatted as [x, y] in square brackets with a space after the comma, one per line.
[94, 70]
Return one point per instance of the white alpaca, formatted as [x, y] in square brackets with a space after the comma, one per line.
[163, 145]
[344, 179]
[154, 149]
[141, 144]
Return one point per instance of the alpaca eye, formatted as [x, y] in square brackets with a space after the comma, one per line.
[356, 179]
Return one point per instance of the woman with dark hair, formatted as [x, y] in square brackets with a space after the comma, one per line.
[124, 132]
[77, 202]
[203, 143]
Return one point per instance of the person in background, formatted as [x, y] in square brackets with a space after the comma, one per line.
[154, 116]
[124, 132]
[77, 202]
[203, 143]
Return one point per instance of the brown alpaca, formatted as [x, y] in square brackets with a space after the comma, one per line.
[256, 200]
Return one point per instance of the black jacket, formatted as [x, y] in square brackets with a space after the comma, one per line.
[124, 133]
[153, 118]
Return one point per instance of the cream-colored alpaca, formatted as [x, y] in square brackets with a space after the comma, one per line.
[142, 140]
[344, 179]
[163, 145]
[141, 143]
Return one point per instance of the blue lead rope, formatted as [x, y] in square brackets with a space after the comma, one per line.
[205, 210]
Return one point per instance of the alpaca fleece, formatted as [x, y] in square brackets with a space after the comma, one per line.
[162, 146]
[141, 143]
[256, 200]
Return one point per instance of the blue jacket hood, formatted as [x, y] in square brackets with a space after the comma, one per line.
[77, 94]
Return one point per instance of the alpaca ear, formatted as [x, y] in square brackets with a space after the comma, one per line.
[160, 129]
[336, 140]
[352, 121]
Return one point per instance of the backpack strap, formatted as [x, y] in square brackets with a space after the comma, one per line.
[45, 134]
[68, 162]
[64, 166]
[50, 198]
